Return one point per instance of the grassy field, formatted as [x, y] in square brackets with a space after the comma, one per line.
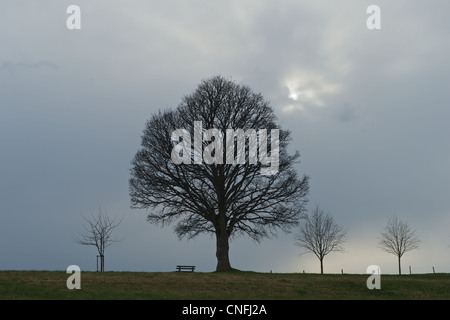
[232, 285]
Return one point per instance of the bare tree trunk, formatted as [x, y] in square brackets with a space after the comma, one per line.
[399, 266]
[321, 266]
[222, 248]
[222, 238]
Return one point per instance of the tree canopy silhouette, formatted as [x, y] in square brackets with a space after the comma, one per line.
[224, 198]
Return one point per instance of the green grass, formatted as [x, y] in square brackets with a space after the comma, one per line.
[50, 285]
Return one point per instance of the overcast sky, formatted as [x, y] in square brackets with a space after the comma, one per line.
[368, 110]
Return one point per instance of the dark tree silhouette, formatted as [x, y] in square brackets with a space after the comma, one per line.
[221, 198]
[320, 235]
[98, 233]
[398, 238]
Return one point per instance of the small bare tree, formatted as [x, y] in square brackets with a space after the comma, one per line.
[320, 235]
[98, 233]
[397, 238]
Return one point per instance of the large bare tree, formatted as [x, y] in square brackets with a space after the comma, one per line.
[223, 198]
[98, 232]
[398, 238]
[320, 235]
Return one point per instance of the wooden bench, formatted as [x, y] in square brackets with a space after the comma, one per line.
[179, 268]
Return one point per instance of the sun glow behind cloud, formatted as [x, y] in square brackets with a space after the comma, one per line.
[308, 90]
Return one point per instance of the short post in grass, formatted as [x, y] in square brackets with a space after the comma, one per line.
[410, 270]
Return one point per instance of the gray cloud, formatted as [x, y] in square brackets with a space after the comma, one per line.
[10, 66]
[367, 110]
